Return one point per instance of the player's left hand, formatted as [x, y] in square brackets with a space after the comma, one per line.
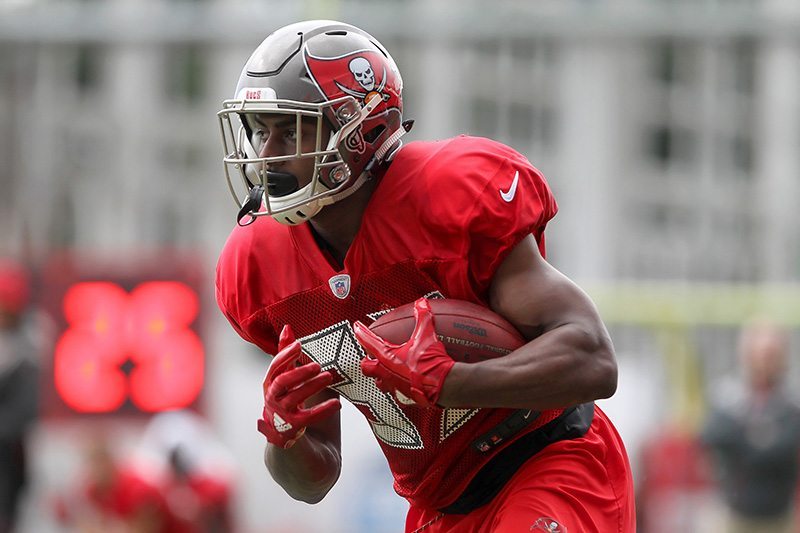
[416, 369]
[287, 387]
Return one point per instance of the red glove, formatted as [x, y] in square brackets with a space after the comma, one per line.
[416, 369]
[286, 388]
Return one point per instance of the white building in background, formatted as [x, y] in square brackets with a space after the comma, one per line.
[669, 132]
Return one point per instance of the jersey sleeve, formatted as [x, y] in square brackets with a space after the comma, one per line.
[236, 293]
[228, 313]
[515, 203]
[483, 199]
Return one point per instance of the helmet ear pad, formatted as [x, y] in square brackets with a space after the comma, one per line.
[358, 149]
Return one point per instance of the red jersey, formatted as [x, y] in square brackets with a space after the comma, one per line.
[128, 496]
[198, 503]
[440, 222]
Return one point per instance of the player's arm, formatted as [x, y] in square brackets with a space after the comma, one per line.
[311, 466]
[301, 423]
[569, 359]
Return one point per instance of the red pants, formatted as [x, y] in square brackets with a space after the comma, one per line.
[575, 486]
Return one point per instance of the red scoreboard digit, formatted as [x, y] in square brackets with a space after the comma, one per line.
[128, 341]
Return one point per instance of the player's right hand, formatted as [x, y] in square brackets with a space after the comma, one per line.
[286, 389]
[417, 368]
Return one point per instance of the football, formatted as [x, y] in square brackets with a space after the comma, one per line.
[470, 332]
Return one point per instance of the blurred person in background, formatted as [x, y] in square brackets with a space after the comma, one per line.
[675, 486]
[112, 496]
[19, 387]
[357, 224]
[197, 501]
[753, 434]
[195, 471]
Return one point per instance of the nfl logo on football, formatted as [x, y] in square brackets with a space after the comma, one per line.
[340, 285]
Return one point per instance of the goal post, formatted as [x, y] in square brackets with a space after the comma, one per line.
[660, 304]
[691, 329]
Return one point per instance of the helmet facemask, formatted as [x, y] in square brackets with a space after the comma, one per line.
[260, 191]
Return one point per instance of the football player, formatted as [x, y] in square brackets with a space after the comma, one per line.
[339, 222]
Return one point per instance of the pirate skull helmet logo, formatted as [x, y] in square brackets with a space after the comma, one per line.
[363, 73]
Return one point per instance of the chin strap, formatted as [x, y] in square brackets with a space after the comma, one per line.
[363, 178]
[251, 204]
[387, 145]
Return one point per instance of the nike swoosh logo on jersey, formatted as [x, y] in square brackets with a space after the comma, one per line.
[512, 191]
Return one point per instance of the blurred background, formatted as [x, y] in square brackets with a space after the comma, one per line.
[669, 131]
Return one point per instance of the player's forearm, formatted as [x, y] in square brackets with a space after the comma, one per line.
[566, 366]
[307, 470]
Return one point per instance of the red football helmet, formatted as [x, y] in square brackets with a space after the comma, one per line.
[335, 74]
